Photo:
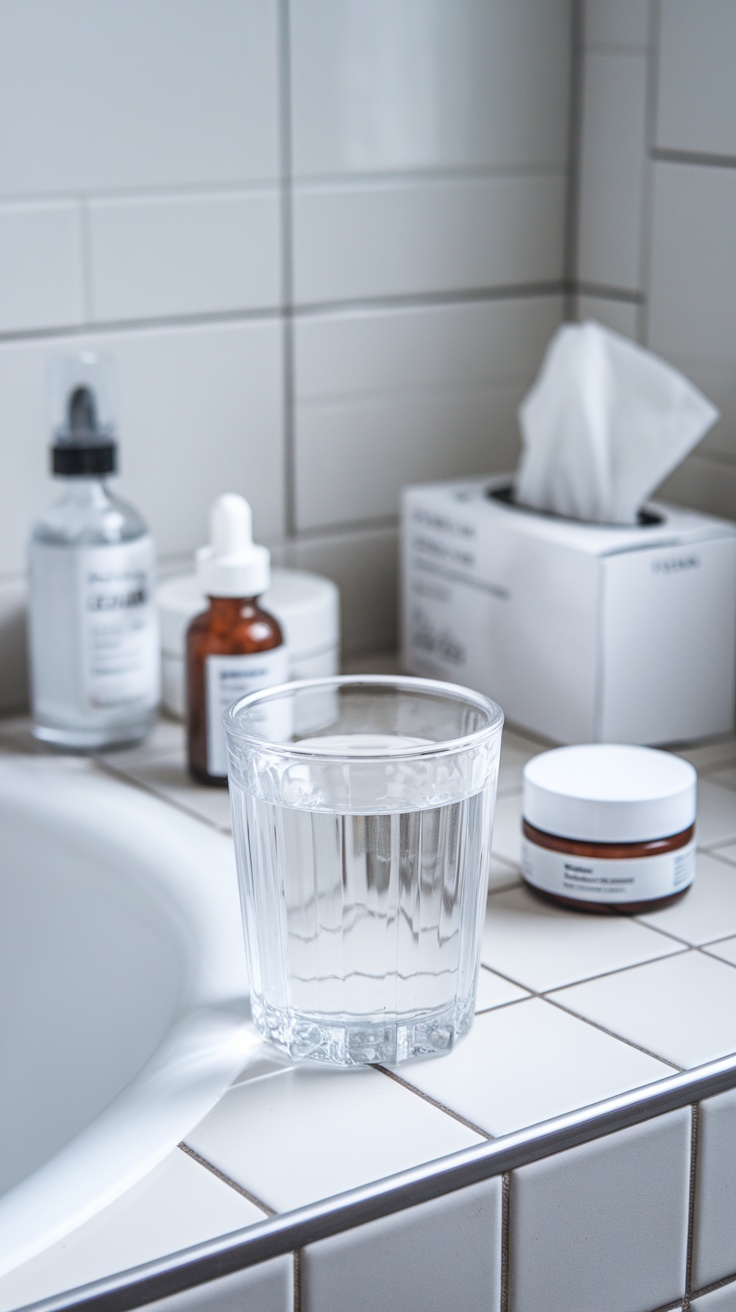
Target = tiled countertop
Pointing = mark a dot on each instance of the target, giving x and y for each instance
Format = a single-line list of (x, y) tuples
[(571, 1009)]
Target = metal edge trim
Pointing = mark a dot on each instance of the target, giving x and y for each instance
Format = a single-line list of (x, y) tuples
[(283, 1234)]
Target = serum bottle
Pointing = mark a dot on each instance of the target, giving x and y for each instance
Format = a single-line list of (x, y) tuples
[(93, 630), (234, 647)]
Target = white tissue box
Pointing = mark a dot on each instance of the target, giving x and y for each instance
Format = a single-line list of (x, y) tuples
[(581, 632)]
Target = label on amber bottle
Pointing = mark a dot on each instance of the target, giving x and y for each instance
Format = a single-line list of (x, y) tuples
[(600, 879), (227, 678)]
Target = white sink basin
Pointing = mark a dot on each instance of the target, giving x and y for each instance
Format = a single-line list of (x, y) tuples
[(122, 991)]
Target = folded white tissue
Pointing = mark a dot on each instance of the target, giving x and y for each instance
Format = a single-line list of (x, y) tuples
[(588, 622), (603, 426)]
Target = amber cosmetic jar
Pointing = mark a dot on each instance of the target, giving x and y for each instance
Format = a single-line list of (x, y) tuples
[(609, 827)]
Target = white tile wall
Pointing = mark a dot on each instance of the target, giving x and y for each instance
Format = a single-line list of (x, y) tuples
[(620, 316), (136, 93), (152, 256), (696, 109), (617, 1209), (383, 86), (422, 236), (612, 170), (402, 1261), (714, 1252), (718, 1300), (40, 265), (364, 564), (616, 23)]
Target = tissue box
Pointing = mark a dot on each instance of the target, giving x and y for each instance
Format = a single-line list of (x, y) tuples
[(581, 632)]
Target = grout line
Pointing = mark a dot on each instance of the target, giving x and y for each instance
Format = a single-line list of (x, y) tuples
[(606, 293), (663, 155), (717, 1284), (613, 1035), (694, 1141), (120, 775), (574, 156), (505, 1240), (379, 524), (226, 1179), (440, 1106), (619, 970), (297, 1280), (500, 1006), (287, 266), (359, 180), (412, 300), (646, 219)]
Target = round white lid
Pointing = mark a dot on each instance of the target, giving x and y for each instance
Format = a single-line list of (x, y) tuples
[(606, 793), (306, 605)]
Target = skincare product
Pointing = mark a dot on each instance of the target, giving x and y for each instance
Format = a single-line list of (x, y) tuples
[(609, 826), (235, 647), (92, 619), (306, 606)]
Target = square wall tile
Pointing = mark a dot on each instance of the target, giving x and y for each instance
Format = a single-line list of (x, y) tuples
[(718, 1300), (703, 484), (412, 236), (200, 412), (364, 565), (381, 86), (681, 1008), (188, 254), (612, 169), (708, 909), (395, 396), (41, 275), (616, 22), (620, 316), (542, 946), (439, 1255), (177, 1205), (696, 109), (603, 1227), (278, 1137), (524, 1064), (714, 1246), (13, 646), (692, 291), (171, 93)]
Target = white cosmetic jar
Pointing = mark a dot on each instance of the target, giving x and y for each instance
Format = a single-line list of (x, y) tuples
[(608, 826)]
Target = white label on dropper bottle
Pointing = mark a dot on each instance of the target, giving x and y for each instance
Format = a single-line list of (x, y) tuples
[(227, 678)]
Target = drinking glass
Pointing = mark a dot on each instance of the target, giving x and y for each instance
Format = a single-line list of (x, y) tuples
[(362, 813)]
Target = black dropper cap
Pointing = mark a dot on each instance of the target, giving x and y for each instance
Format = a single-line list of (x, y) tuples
[(83, 447)]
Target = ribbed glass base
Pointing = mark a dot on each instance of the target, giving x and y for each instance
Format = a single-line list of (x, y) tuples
[(361, 1041)]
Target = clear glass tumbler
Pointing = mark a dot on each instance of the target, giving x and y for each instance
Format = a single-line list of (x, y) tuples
[(362, 810)]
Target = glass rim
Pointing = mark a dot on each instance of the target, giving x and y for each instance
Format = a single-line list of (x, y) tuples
[(332, 683)]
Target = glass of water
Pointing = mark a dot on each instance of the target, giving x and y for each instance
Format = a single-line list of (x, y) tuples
[(362, 811)]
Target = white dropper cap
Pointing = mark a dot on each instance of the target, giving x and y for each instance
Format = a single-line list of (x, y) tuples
[(233, 565)]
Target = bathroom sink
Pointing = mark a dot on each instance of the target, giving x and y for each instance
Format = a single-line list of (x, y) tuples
[(122, 990)]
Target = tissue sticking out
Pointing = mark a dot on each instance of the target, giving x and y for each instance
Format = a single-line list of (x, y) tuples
[(604, 423)]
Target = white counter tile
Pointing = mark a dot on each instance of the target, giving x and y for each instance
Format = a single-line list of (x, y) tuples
[(724, 949), (526, 1063), (542, 946), (402, 1261), (727, 853), (603, 1227), (708, 909), (706, 756), (714, 1249), (495, 991), (307, 1133), (681, 1008), (506, 841), (725, 776), (503, 874), (177, 1205), (167, 776)]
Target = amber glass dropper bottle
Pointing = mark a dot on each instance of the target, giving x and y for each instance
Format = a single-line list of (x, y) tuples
[(234, 647)]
